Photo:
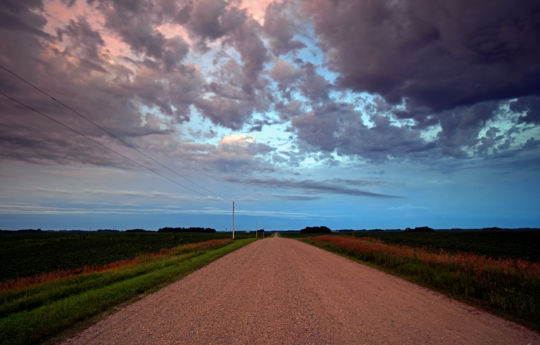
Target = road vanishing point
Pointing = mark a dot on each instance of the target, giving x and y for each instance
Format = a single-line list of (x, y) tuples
[(283, 291)]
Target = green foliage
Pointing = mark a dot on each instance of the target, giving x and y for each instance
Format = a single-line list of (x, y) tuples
[(35, 314), (26, 254)]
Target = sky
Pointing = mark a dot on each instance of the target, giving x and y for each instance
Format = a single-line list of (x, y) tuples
[(353, 114)]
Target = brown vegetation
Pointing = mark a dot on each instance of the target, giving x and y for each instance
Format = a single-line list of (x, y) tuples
[(468, 261)]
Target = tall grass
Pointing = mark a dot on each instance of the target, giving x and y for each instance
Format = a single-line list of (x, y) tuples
[(33, 314), (509, 287)]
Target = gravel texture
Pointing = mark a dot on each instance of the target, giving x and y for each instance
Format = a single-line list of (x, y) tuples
[(282, 291)]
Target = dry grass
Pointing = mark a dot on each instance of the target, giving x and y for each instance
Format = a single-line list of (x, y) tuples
[(469, 262), (509, 287)]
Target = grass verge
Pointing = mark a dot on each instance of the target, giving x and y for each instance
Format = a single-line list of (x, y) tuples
[(34, 314), (508, 287)]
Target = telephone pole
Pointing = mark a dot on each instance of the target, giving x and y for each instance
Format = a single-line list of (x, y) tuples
[(256, 226), (233, 220)]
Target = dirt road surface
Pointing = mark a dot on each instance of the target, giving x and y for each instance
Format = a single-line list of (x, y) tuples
[(282, 291)]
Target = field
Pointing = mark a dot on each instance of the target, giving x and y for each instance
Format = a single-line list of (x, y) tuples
[(495, 244), (28, 254), (499, 272), (111, 268)]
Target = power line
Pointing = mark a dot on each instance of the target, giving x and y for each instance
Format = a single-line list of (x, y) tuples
[(105, 130), (74, 130)]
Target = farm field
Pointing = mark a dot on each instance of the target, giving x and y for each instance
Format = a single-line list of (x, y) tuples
[(495, 244), (521, 244), (36, 308), (27, 254), (490, 274)]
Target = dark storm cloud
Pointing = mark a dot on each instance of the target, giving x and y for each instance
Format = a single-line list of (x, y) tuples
[(460, 127), (19, 16), (530, 106), (341, 128), (439, 54), (452, 63), (329, 186)]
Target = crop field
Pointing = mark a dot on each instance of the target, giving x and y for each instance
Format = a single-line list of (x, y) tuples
[(30, 254), (495, 244), (36, 308), (507, 284)]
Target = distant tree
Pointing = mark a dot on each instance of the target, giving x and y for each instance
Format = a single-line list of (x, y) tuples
[(420, 229), (316, 230), (137, 230), (192, 229), (493, 228), (30, 230)]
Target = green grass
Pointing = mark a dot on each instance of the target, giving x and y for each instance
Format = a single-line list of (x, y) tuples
[(496, 287), (28, 254), (33, 315)]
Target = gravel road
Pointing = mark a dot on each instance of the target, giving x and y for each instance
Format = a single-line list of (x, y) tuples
[(282, 291)]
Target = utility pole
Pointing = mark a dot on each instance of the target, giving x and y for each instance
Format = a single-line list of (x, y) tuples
[(256, 226), (233, 220)]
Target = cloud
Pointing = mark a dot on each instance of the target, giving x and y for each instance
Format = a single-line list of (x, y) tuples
[(122, 194), (441, 64), (238, 151), (19, 16), (134, 22), (211, 19), (281, 24), (327, 187), (338, 127), (439, 54), (285, 74), (291, 197), (438, 73), (529, 106), (82, 37)]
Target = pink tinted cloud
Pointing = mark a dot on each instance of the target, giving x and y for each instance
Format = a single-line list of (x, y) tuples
[(59, 15), (255, 8)]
